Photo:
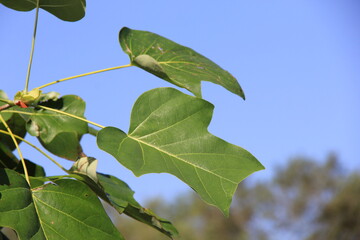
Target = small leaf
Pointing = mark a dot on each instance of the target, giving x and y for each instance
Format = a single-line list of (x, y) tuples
[(174, 63), (67, 10), (121, 197), (28, 97), (168, 133), (58, 133), (87, 166), (61, 209)]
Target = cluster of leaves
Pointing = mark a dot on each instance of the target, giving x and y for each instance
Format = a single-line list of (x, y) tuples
[(168, 133)]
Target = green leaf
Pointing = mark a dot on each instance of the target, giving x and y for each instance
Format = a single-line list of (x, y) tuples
[(58, 133), (174, 63), (168, 133), (62, 209), (122, 199), (67, 10)]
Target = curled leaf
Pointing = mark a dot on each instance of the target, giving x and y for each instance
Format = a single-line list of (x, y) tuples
[(173, 62)]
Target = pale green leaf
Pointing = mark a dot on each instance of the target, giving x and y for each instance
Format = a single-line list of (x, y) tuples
[(87, 166), (67, 10), (168, 133), (174, 63)]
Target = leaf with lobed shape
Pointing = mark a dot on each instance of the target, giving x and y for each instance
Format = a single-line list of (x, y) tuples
[(168, 133)]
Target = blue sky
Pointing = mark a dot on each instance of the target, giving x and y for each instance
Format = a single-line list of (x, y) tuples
[(297, 61)]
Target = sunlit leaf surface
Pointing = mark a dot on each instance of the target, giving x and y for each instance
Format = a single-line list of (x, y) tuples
[(168, 133)]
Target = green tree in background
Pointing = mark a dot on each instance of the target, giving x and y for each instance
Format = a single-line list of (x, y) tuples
[(305, 199)]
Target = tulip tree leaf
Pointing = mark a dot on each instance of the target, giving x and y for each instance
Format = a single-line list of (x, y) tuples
[(173, 62), (122, 199), (67, 10), (58, 133), (61, 209), (168, 133)]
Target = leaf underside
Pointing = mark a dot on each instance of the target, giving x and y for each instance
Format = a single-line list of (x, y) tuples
[(168, 133), (67, 10), (173, 62)]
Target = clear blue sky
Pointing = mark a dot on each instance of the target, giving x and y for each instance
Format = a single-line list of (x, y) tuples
[(297, 61)]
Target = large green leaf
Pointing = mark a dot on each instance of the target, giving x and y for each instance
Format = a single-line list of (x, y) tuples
[(168, 133), (67, 10), (58, 133), (174, 63), (61, 209), (122, 199)]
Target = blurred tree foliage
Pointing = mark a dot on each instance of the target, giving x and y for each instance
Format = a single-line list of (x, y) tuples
[(305, 200)]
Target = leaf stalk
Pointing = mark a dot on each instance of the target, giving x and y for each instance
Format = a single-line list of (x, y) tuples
[(83, 75), (71, 115)]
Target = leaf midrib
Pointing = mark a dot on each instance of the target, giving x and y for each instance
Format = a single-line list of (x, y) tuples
[(180, 159)]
